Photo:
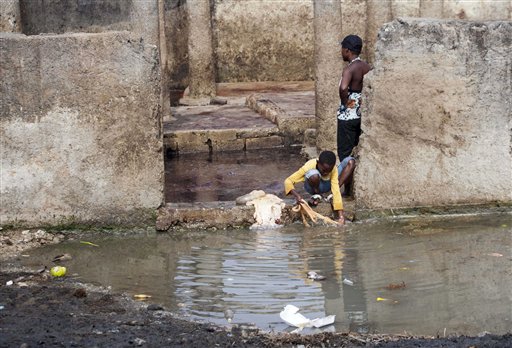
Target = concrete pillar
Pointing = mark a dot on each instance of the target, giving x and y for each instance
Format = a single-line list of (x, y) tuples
[(165, 100), (10, 19), (353, 14), (431, 8), (409, 8), (144, 19), (328, 67), (378, 13), (200, 50)]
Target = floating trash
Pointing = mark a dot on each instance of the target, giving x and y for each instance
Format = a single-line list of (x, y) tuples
[(290, 316), (89, 243), (229, 314), (315, 276), (58, 271), (62, 257), (394, 286), (141, 297), (348, 282)]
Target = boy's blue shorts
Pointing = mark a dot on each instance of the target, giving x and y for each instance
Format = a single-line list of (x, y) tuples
[(325, 185)]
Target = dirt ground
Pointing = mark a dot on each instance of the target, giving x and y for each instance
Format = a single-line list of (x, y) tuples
[(39, 310)]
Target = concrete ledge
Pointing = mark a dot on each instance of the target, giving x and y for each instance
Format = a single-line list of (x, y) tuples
[(222, 140), (431, 211), (221, 215), (291, 123)]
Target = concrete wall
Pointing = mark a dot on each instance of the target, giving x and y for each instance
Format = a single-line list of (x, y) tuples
[(10, 18), (80, 129), (264, 40), (254, 40), (258, 40), (437, 115), (60, 16)]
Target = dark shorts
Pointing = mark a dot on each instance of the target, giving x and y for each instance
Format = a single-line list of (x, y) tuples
[(348, 136)]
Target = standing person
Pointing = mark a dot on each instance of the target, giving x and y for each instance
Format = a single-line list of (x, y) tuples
[(319, 176), (349, 113)]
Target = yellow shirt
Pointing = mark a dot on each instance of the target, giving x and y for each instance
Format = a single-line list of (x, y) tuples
[(298, 176)]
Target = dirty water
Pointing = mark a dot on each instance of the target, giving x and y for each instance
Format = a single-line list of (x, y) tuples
[(224, 176), (437, 276)]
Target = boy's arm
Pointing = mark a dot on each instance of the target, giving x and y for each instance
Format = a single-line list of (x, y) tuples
[(292, 180)]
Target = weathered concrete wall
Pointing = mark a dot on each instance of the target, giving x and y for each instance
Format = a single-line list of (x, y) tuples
[(60, 16), (91, 16), (260, 40), (10, 18), (80, 129), (254, 40), (264, 40), (437, 115)]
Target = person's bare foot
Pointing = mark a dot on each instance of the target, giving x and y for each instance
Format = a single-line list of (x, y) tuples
[(314, 200)]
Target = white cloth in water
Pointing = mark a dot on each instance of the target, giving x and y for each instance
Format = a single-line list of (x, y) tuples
[(267, 211)]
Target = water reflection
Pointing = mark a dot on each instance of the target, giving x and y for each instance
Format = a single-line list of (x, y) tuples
[(457, 273)]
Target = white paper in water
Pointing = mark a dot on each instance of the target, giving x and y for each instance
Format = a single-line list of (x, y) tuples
[(291, 317)]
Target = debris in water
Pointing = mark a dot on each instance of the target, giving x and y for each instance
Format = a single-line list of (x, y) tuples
[(290, 316), (379, 299), (315, 276), (9, 283), (495, 254), (348, 282), (229, 314), (58, 271), (62, 257), (394, 286), (88, 243), (141, 297)]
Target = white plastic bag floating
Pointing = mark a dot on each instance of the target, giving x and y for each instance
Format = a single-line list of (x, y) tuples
[(291, 317)]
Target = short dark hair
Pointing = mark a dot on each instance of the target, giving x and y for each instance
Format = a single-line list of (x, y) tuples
[(327, 157), (353, 43)]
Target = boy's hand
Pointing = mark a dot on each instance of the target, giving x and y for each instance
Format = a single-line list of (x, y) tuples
[(298, 197)]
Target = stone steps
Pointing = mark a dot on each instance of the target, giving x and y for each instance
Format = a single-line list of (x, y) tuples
[(219, 128), (270, 118)]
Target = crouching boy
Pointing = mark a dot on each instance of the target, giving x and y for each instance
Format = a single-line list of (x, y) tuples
[(320, 176)]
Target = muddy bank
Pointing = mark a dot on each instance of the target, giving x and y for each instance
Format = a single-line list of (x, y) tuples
[(38, 310)]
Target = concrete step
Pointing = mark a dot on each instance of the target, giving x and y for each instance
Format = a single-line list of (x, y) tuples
[(277, 115), (292, 112), (219, 128)]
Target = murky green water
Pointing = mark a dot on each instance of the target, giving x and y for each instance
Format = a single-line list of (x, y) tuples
[(457, 273)]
